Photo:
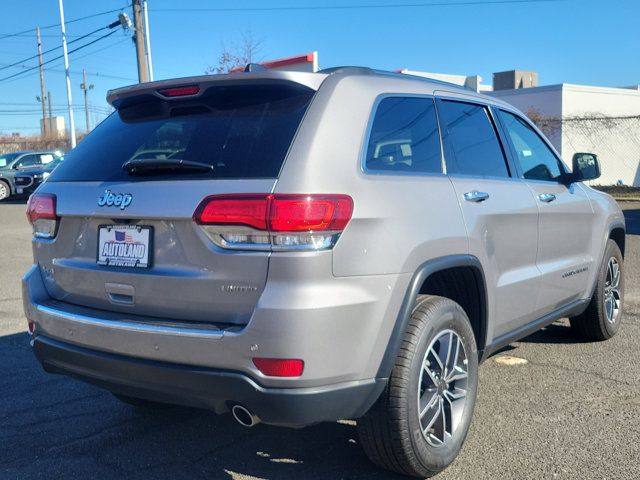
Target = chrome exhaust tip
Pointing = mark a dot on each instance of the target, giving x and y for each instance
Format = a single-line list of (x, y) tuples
[(244, 417)]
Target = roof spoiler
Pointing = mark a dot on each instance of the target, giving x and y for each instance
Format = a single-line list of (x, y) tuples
[(195, 86)]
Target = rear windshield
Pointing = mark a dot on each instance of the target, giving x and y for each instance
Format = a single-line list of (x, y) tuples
[(242, 131)]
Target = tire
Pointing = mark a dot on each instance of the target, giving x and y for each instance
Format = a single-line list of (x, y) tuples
[(141, 403), (392, 433), (5, 190), (601, 320)]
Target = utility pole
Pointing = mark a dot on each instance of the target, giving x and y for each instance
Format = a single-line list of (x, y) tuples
[(86, 87), (50, 114), (147, 39), (42, 98), (139, 39), (72, 123)]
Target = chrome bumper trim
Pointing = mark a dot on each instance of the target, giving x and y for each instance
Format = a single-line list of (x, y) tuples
[(131, 326)]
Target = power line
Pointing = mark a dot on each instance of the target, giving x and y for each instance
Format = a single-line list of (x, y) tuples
[(29, 71), (53, 25), (352, 7), (58, 57), (50, 50), (56, 107), (93, 52)]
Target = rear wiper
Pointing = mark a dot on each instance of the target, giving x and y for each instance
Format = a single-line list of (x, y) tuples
[(140, 166)]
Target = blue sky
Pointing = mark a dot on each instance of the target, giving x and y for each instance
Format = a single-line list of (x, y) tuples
[(594, 42)]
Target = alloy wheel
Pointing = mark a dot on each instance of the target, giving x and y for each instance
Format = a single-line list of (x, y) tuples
[(442, 391), (612, 290)]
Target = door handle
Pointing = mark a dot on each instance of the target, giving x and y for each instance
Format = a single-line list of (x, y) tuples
[(546, 197), (476, 196)]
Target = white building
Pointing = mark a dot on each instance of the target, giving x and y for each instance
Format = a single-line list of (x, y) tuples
[(55, 127), (579, 118)]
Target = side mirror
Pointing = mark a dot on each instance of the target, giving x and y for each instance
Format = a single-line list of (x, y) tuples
[(585, 167)]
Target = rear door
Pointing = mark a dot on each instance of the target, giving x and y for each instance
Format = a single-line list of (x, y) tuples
[(499, 211), (127, 241), (566, 216)]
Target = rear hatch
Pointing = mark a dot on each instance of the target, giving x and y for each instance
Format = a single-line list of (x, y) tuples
[(126, 240)]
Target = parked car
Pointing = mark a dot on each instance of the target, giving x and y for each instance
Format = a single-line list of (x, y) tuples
[(27, 182), (341, 244), (15, 163)]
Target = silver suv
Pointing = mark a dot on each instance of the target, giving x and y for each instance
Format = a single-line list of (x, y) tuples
[(305, 247)]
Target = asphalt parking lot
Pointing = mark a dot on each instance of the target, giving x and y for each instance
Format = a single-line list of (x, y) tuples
[(572, 411)]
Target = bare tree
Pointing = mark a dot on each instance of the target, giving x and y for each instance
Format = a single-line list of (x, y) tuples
[(239, 54)]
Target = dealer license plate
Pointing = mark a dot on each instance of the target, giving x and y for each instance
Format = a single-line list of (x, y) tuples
[(124, 246)]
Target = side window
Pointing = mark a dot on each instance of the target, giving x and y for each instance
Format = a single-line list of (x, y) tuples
[(537, 160), (404, 137), (28, 161), (471, 143)]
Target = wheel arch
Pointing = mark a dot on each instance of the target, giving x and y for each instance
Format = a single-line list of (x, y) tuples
[(420, 280), (617, 234)]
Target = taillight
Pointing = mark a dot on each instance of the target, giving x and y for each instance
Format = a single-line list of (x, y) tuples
[(274, 222), (309, 213), (278, 367), (41, 213)]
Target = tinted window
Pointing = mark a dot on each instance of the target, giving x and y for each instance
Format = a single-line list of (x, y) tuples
[(404, 137), (536, 159), (471, 144), (28, 161), (242, 131)]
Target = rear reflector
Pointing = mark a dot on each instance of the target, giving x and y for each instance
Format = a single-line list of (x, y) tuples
[(41, 213), (276, 367), (180, 91), (274, 221)]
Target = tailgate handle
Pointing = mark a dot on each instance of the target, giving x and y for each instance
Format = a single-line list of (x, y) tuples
[(120, 293)]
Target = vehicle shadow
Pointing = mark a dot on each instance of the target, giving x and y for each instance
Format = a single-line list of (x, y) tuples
[(557, 333), (50, 423), (15, 200)]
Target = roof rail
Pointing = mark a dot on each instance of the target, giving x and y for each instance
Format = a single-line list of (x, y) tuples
[(408, 76), (424, 79), (346, 69), (254, 67)]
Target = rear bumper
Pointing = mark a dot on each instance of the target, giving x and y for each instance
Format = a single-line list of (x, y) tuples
[(205, 387), (339, 327)]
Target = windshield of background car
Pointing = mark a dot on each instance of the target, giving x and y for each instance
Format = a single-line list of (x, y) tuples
[(7, 158)]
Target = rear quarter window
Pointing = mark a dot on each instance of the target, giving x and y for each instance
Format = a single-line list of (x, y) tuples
[(243, 131), (404, 137)]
